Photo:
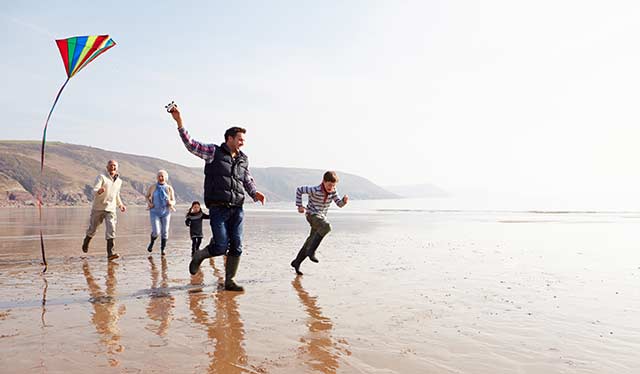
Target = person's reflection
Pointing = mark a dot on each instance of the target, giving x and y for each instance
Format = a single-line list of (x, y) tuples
[(319, 344), (225, 330), (161, 302), (106, 312)]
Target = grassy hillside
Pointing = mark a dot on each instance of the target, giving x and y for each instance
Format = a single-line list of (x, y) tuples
[(282, 183), (71, 169)]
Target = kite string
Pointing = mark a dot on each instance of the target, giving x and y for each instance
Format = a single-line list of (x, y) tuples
[(39, 192)]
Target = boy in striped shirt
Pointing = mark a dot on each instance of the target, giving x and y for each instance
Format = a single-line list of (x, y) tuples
[(320, 197)]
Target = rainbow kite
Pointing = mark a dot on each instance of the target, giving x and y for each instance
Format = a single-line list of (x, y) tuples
[(76, 52)]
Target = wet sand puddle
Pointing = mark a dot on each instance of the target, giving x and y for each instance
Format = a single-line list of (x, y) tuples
[(393, 293), (111, 323)]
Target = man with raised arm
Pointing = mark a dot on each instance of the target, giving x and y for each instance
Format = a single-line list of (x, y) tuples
[(226, 178)]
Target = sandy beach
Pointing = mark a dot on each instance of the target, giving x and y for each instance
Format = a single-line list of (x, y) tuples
[(396, 291)]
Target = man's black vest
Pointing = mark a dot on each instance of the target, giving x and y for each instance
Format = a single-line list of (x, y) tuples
[(224, 177)]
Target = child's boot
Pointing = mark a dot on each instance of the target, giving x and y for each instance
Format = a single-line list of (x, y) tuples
[(163, 245), (302, 254), (153, 240), (85, 244), (111, 255), (313, 246)]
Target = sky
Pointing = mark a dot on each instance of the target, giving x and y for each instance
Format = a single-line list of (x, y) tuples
[(526, 99)]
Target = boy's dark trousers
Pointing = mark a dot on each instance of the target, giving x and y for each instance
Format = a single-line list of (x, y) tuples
[(320, 227)]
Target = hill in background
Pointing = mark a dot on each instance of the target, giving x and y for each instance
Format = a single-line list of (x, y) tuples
[(70, 171)]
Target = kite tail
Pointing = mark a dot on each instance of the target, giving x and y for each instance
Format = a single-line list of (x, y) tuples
[(44, 132), (39, 193)]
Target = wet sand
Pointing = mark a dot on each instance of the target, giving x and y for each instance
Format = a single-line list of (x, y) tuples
[(394, 292)]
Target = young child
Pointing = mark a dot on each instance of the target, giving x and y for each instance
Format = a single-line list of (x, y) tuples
[(320, 197), (194, 220)]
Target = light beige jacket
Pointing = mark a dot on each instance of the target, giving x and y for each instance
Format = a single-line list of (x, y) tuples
[(109, 200), (172, 196)]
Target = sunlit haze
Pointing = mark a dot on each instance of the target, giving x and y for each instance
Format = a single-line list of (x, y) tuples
[(531, 100)]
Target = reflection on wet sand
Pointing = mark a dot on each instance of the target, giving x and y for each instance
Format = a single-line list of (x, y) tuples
[(161, 302), (44, 300), (41, 364), (225, 330), (106, 312), (319, 345)]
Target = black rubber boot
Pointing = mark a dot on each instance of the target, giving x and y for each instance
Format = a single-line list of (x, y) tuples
[(302, 255), (231, 268), (313, 246), (163, 245), (111, 255), (153, 240), (85, 244), (197, 259)]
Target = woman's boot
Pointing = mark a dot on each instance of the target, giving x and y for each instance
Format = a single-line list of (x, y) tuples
[(163, 245), (150, 247)]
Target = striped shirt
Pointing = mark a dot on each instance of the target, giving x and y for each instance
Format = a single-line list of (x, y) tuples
[(207, 153), (317, 204)]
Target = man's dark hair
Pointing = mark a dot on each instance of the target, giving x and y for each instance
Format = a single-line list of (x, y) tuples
[(232, 131), (330, 176)]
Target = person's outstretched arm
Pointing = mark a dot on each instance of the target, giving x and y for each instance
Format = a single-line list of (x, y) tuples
[(340, 202), (202, 150), (250, 186)]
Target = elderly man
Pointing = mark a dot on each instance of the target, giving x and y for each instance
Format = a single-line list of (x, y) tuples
[(106, 199)]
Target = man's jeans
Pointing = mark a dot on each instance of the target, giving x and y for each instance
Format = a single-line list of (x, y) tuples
[(226, 228)]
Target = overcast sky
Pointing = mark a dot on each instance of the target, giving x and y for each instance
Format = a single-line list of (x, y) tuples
[(506, 97)]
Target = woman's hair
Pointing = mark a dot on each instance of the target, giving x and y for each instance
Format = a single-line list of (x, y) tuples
[(163, 172)]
